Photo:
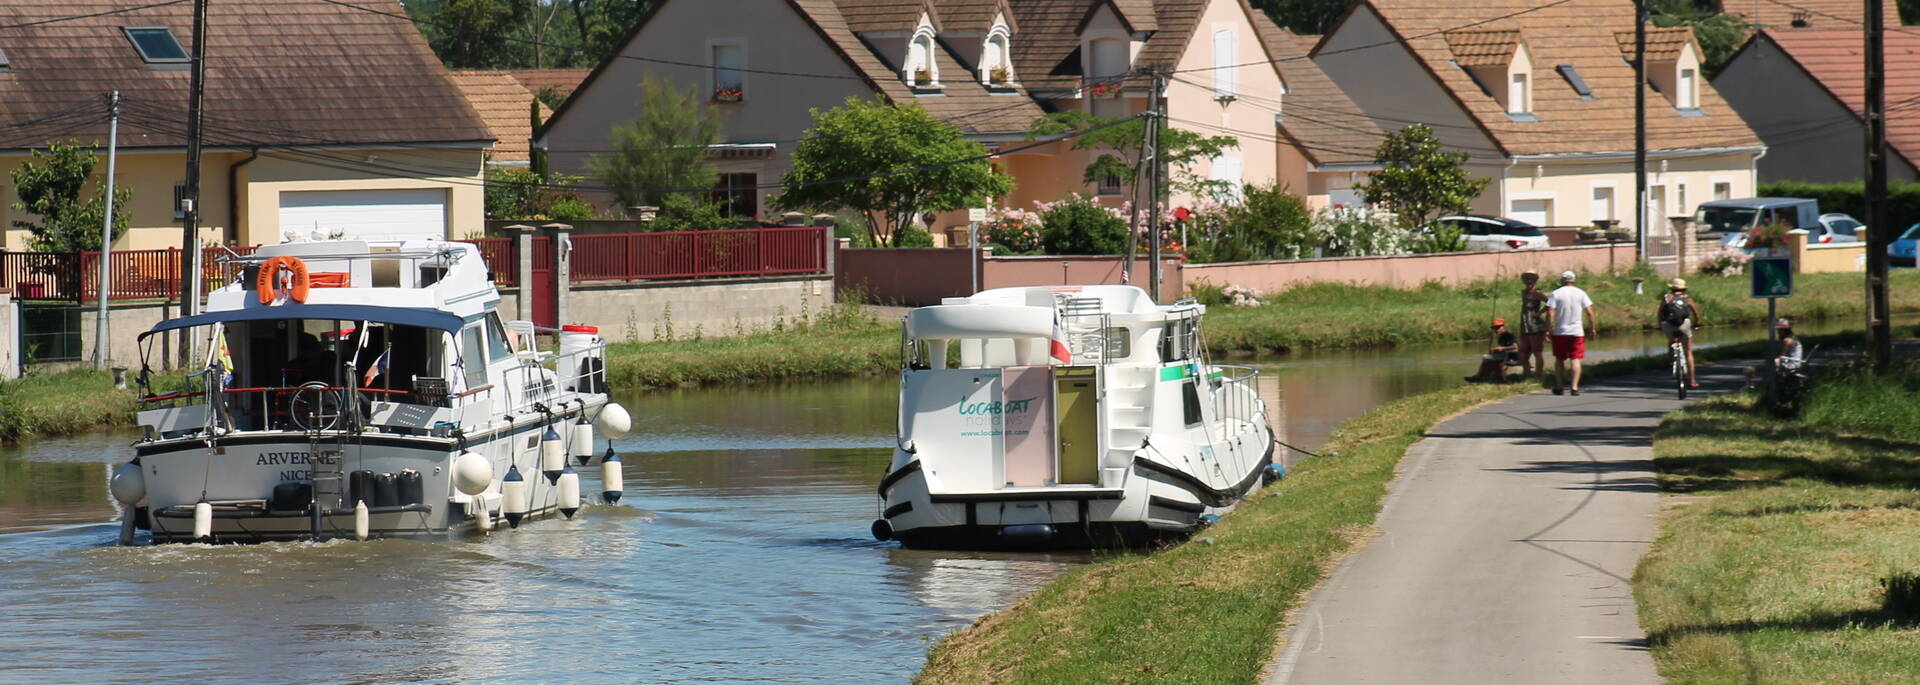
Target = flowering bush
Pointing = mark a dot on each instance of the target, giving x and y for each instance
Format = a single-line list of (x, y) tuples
[(1238, 296), (1768, 235), (1013, 231), (1077, 225), (1358, 232), (1728, 261)]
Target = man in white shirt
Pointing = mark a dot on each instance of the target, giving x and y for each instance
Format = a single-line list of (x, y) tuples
[(1571, 310)]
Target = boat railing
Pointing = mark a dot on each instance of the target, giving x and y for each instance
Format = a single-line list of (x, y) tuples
[(1235, 398), (549, 375)]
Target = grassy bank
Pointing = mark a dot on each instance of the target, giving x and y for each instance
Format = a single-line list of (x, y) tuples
[(62, 403), (1222, 601), (1781, 538), (1343, 316), (844, 341)]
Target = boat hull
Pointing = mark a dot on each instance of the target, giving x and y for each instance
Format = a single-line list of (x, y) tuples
[(1159, 504), (238, 476)]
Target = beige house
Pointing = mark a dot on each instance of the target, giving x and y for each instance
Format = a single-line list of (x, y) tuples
[(989, 67), (301, 134), (1542, 99)]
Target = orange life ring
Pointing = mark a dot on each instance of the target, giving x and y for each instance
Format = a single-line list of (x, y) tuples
[(270, 274)]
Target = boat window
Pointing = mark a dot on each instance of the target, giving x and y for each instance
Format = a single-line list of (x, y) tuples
[(497, 338), (1190, 401), (1179, 339), (1119, 344), (473, 357)]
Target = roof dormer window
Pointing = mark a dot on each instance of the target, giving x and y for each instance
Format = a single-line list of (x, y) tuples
[(922, 70), (3, 60), (996, 61), (156, 44)]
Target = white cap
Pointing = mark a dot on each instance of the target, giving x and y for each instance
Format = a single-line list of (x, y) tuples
[(1566, 277)]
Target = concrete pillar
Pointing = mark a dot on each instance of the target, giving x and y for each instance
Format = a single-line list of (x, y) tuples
[(523, 270), (1682, 243), (833, 262), (561, 236), (10, 356)]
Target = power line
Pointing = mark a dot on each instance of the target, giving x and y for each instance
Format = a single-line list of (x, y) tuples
[(78, 17)]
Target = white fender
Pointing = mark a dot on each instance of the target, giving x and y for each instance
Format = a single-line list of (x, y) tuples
[(582, 440), (202, 520), (611, 478), (569, 485), (613, 421), (128, 485), (471, 473), (361, 524)]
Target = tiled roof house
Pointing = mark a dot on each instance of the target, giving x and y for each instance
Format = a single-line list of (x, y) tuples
[(506, 107), (316, 115), (1803, 92), (989, 67), (1816, 14), (1542, 99)]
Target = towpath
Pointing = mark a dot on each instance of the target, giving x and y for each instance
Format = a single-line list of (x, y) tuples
[(1506, 550)]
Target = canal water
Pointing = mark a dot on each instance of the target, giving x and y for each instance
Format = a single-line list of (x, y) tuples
[(740, 553)]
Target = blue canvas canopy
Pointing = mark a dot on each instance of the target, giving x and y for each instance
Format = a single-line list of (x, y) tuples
[(399, 316)]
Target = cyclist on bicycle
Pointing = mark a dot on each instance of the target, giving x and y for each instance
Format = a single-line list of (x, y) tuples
[(1677, 316)]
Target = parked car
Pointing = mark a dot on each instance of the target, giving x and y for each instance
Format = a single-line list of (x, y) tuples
[(1492, 233), (1901, 250), (1729, 220), (1833, 228)]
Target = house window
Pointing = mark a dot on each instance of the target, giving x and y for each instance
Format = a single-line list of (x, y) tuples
[(995, 67), (1602, 204), (3, 60), (1722, 190), (1110, 184), (1579, 85), (1224, 86), (1108, 60), (1227, 179), (1680, 207), (180, 201), (1517, 95), (156, 44), (1685, 98), (737, 195), (921, 67), (729, 71)]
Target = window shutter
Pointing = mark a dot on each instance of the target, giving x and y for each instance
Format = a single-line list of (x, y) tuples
[(1223, 62)]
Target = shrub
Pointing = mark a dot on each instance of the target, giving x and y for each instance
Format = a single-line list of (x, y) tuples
[(1726, 262), (1268, 223), (1013, 232), (1077, 226), (1353, 232), (1438, 237)]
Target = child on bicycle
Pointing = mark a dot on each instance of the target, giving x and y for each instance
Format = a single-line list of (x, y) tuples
[(1677, 317)]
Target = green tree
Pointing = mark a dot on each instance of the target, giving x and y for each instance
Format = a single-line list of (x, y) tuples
[(467, 34), (520, 195), (1078, 226), (1268, 223), (664, 152), (1720, 35), (1120, 142), (50, 186), (1418, 181), (890, 163), (1305, 17), (476, 34)]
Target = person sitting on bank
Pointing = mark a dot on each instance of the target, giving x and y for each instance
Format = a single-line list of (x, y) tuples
[(1505, 352), (1792, 355)]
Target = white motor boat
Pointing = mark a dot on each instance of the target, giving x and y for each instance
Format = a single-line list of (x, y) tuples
[(364, 389), (1074, 417)]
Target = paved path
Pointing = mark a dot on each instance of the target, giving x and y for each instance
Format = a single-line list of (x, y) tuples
[(1507, 548)]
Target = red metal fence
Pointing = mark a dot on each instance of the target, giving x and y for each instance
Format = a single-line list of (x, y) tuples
[(137, 274), (155, 274), (694, 254)]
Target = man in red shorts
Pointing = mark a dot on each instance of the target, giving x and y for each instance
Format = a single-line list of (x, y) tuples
[(1572, 313)]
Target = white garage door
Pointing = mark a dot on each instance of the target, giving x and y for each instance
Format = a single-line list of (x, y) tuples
[(364, 214), (1536, 212)]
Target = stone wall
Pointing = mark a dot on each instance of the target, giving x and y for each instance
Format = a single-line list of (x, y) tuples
[(679, 309)]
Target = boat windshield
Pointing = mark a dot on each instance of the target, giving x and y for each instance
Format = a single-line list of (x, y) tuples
[(266, 362)]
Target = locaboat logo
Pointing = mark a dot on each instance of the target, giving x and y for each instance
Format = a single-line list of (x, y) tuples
[(1006, 407)]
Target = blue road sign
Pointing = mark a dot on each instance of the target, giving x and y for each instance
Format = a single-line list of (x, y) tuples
[(1772, 277)]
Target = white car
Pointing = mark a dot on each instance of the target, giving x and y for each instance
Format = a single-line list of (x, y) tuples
[(1490, 234)]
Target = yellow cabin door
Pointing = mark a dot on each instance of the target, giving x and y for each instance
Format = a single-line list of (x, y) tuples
[(1078, 417)]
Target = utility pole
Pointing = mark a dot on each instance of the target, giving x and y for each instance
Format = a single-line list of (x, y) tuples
[(1640, 130), (1879, 327), (190, 205), (100, 326), (1156, 167)]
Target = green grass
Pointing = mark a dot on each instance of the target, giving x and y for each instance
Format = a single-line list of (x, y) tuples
[(1330, 315), (1780, 537), (62, 403), (1203, 612)]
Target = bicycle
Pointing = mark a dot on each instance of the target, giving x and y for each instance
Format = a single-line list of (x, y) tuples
[(1678, 351)]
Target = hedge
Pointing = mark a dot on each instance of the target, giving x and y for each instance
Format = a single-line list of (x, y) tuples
[(1903, 199)]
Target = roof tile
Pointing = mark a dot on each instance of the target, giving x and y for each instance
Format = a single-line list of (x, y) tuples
[(504, 105), (1833, 58)]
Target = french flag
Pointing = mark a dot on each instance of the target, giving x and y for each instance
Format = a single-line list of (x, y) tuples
[(380, 366), (1059, 342)]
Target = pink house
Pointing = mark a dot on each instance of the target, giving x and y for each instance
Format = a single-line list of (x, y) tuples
[(989, 67)]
